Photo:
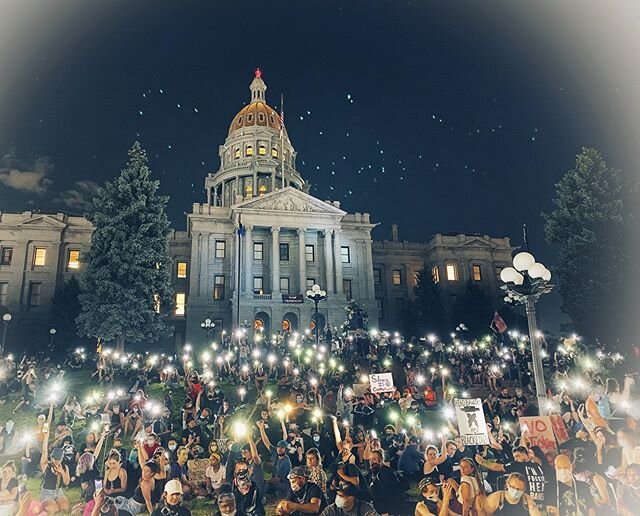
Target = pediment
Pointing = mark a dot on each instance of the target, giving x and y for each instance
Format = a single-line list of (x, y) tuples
[(42, 221), (289, 200)]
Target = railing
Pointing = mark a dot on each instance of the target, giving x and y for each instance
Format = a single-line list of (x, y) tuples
[(262, 297)]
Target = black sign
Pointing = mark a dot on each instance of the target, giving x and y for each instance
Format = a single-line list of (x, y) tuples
[(292, 298)]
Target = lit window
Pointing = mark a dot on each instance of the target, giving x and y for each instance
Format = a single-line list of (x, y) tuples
[(220, 248), (310, 283), (284, 252), (156, 303), (435, 274), (262, 150), (274, 152), (346, 254), (262, 189), (236, 153), (39, 256), (397, 278), (346, 288), (249, 150), (477, 273), (248, 187), (181, 302), (258, 285), (6, 256), (218, 287), (73, 259), (284, 285), (181, 272), (309, 252), (257, 250), (452, 272), (4, 290), (377, 277), (35, 290)]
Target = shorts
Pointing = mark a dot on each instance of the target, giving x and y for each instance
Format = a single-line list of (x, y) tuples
[(47, 495), (129, 505)]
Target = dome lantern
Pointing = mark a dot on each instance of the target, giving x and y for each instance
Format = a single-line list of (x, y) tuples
[(258, 87)]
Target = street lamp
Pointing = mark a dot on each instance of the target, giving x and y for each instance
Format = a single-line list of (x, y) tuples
[(525, 282), (208, 325), (52, 332), (6, 319), (316, 294)]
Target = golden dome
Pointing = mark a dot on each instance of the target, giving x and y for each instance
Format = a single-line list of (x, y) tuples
[(255, 114)]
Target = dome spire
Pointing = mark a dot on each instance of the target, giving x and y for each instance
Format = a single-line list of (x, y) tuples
[(258, 87)]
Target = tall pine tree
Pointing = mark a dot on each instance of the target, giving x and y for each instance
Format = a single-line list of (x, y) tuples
[(475, 309), (427, 308), (588, 225), (128, 266)]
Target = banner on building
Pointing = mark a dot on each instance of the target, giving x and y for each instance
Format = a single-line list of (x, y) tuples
[(471, 424), (381, 382), (290, 299), (540, 430), (559, 428)]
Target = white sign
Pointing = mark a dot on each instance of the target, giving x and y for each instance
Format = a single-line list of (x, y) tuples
[(471, 424), (382, 382)]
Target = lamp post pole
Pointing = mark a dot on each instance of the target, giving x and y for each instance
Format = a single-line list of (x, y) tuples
[(316, 294), (525, 282), (52, 332), (6, 319)]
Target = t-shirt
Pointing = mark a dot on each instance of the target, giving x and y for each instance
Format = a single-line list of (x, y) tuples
[(537, 481), (360, 508), (574, 500), (217, 477), (281, 465), (309, 491)]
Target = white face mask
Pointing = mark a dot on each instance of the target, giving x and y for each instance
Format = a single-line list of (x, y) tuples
[(514, 494), (341, 502), (173, 447)]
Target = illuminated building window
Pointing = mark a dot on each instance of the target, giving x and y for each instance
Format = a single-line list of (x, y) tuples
[(309, 252), (262, 189), (345, 253), (237, 153), (262, 150), (218, 287), (435, 274), (249, 150), (181, 271), (73, 259), (274, 152), (39, 256), (452, 271), (248, 188), (397, 277), (258, 285), (181, 303), (477, 273), (156, 303), (220, 248)]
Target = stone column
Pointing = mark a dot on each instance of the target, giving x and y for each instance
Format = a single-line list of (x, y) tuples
[(275, 262), (208, 195), (302, 260), (337, 259), (328, 262), (203, 284), (248, 260), (369, 269)]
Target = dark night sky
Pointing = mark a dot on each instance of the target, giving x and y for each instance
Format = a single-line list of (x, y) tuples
[(440, 118)]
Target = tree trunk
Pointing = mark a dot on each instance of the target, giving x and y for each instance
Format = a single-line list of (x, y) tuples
[(120, 345)]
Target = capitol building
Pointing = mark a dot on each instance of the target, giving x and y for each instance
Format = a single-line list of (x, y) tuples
[(252, 249)]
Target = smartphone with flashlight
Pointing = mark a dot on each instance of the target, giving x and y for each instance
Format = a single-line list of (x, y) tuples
[(22, 489), (98, 483)]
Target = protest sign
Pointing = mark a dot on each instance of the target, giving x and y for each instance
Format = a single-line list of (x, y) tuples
[(559, 428), (471, 423), (540, 431), (381, 382), (196, 470)]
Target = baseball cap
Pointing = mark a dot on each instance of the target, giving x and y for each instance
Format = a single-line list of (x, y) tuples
[(347, 489), (427, 482), (282, 444), (173, 487), (298, 471), (414, 439)]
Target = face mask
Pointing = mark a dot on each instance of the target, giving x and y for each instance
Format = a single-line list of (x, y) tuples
[(432, 497), (173, 447), (514, 494), (341, 502), (564, 475)]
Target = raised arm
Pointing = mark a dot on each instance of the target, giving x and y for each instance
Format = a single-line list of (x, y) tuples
[(263, 435), (336, 432)]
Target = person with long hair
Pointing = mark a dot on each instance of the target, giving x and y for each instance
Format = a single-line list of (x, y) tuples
[(8, 486), (316, 471), (55, 475), (471, 485), (115, 476)]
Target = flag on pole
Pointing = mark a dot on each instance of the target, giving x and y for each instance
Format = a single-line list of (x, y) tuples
[(282, 137), (498, 325)]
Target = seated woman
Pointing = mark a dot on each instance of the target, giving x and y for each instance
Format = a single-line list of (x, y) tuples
[(8, 488), (115, 476), (55, 475)]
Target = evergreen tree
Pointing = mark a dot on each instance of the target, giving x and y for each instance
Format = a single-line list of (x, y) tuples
[(357, 318), (475, 309), (128, 265), (427, 309), (64, 311), (588, 224)]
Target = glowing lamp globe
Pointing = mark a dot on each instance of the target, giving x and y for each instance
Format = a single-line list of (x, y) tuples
[(546, 274), (508, 275), (519, 279), (536, 270), (522, 261)]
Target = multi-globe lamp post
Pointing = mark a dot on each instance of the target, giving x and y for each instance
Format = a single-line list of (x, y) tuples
[(208, 325), (316, 294), (525, 282), (6, 319)]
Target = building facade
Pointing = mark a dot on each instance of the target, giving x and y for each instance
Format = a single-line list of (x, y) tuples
[(253, 249)]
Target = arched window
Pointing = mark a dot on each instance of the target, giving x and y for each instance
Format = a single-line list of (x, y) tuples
[(249, 150), (262, 150), (261, 117), (274, 152), (239, 119), (237, 153), (248, 188), (250, 118)]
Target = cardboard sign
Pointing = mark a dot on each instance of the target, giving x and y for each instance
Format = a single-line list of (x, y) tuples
[(540, 431), (382, 382), (559, 428), (196, 469), (471, 424)]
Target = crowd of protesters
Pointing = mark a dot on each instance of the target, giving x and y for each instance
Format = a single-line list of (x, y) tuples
[(281, 423)]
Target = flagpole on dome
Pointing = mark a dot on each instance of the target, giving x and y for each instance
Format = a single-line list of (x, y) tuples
[(282, 138)]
